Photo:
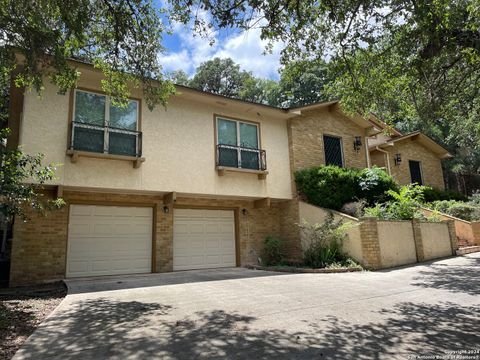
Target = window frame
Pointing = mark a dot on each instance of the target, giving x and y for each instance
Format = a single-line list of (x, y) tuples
[(106, 123), (342, 154), (237, 121), (419, 168)]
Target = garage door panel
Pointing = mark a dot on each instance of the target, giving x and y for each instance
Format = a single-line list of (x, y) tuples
[(106, 240), (203, 239)]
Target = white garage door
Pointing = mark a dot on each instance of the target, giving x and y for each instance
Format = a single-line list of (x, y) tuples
[(203, 239), (108, 240)]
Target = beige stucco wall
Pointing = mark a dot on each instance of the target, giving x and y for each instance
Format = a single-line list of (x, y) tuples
[(352, 244), (397, 245), (430, 164), (178, 145), (435, 240), (306, 138), (465, 230)]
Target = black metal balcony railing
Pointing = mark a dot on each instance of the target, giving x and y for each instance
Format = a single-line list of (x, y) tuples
[(241, 157), (105, 139)]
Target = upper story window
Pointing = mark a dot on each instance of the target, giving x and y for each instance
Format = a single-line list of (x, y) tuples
[(238, 144), (99, 126), (333, 150)]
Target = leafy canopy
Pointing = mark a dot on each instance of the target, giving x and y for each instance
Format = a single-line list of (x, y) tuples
[(121, 38)]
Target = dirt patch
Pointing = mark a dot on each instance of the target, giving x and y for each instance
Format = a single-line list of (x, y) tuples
[(22, 309)]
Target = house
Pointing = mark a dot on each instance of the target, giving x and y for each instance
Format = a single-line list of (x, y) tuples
[(409, 158), (198, 184)]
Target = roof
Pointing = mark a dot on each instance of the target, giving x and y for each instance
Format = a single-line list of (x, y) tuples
[(376, 121), (423, 139)]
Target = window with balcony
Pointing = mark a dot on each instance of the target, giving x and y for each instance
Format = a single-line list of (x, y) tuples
[(238, 145), (98, 126)]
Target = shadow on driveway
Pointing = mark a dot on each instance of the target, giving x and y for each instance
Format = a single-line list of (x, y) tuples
[(464, 278), (120, 282), (104, 328)]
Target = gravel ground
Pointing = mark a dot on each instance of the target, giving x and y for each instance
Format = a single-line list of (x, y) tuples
[(22, 309)]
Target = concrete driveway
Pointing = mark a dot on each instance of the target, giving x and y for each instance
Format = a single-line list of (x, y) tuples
[(246, 314)]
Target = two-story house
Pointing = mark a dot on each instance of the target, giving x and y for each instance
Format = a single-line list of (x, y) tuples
[(198, 184)]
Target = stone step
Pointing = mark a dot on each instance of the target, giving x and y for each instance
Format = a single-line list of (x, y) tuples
[(468, 250)]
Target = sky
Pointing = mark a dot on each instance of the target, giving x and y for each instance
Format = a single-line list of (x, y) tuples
[(186, 52)]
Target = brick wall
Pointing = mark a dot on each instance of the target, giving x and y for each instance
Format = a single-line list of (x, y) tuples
[(306, 139), (410, 149), (39, 245)]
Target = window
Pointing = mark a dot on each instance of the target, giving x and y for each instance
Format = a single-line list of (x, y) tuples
[(333, 150), (238, 144), (415, 172), (99, 126)]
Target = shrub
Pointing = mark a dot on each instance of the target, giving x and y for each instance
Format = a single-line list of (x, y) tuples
[(328, 186), (272, 251), (475, 198), (462, 210), (331, 186), (324, 242), (432, 194), (404, 205), (374, 184)]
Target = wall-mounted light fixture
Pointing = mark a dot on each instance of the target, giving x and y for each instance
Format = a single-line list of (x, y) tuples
[(397, 159), (166, 209), (357, 143), (244, 211)]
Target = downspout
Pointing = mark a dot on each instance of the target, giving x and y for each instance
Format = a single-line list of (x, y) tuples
[(388, 159), (367, 152)]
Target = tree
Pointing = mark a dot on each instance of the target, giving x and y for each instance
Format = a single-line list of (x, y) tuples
[(302, 82), (17, 192), (122, 38), (261, 91), (220, 76), (179, 77)]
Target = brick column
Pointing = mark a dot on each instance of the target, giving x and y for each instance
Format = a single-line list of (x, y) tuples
[(164, 228), (417, 238), (370, 243), (453, 235)]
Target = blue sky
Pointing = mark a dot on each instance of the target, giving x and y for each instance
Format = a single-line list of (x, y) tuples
[(186, 52)]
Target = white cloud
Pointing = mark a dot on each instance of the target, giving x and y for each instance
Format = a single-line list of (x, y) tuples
[(245, 48)]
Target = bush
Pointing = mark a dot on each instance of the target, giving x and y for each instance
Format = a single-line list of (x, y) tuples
[(328, 186), (374, 184), (468, 211), (404, 205), (331, 186), (272, 251), (324, 242), (432, 194)]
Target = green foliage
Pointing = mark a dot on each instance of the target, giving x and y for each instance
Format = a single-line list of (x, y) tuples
[(324, 242), (273, 252), (469, 211), (374, 185), (220, 76), (121, 38), (328, 186), (432, 194), (404, 204), (331, 186), (302, 83), (17, 170)]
